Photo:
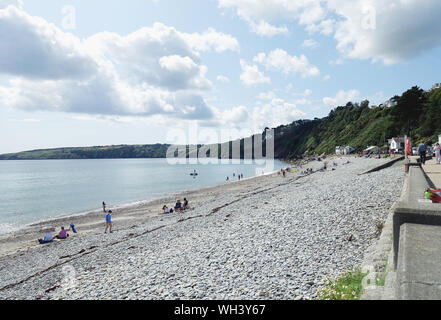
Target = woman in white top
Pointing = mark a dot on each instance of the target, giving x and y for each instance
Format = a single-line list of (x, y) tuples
[(438, 153)]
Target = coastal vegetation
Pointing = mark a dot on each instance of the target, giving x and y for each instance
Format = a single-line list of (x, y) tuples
[(102, 152), (416, 113), (347, 286)]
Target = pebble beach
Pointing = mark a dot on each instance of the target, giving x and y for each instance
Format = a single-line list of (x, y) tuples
[(267, 237)]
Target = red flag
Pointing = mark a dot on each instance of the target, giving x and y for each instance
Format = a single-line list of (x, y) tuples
[(408, 152)]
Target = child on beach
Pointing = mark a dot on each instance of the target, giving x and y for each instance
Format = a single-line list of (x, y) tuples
[(165, 210), (108, 222), (104, 206), (186, 205)]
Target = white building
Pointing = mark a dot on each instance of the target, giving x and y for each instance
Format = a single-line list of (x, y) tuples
[(396, 144), (436, 86), (339, 150), (392, 102)]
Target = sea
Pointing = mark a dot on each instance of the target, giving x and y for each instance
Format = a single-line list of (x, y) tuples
[(37, 190)]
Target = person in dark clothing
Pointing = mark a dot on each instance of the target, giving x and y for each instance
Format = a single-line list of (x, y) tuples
[(422, 150)]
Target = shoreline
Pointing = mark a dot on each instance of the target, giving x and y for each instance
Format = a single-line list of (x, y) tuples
[(25, 237), (122, 206), (265, 238)]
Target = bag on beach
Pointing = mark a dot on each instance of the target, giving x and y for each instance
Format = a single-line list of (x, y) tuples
[(435, 195)]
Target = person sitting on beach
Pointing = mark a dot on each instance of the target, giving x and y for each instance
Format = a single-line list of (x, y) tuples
[(186, 205), (178, 206), (47, 238), (165, 210), (108, 222), (62, 235)]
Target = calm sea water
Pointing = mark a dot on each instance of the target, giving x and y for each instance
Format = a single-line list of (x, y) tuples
[(31, 191)]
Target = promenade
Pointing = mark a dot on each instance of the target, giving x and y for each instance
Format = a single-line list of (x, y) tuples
[(433, 171), (417, 234)]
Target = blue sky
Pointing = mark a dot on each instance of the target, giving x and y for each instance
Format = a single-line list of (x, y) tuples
[(82, 73)]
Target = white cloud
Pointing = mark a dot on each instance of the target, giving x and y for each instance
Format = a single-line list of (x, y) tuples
[(275, 113), (270, 95), (376, 30), (183, 72), (302, 101), (341, 98), (152, 71), (5, 3), (31, 47), (223, 79), (138, 56), (336, 62), (310, 43), (251, 74), (231, 116), (380, 30), (255, 11), (326, 27), (282, 61), (265, 29), (211, 40)]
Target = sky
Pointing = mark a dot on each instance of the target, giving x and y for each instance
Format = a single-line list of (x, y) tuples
[(88, 73)]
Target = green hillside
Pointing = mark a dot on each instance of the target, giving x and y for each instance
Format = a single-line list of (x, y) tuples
[(107, 152), (417, 113)]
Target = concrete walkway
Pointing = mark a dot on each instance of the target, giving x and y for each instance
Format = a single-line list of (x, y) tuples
[(416, 236), (433, 171)]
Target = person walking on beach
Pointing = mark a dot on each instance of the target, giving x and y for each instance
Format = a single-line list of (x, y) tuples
[(438, 153), (422, 149), (104, 206), (108, 222)]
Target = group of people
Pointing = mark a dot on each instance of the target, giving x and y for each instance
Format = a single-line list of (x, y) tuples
[(283, 172), (308, 171), (422, 152), (179, 207), (239, 176), (62, 235)]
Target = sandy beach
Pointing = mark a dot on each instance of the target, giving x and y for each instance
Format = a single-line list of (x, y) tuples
[(263, 238)]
